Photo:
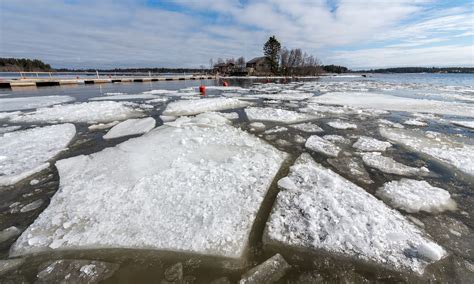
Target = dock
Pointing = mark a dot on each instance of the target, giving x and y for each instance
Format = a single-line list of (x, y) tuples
[(46, 82)]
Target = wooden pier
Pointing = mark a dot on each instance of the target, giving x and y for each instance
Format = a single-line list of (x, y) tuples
[(44, 82)]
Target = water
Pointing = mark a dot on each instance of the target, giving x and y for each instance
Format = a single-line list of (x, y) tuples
[(452, 229)]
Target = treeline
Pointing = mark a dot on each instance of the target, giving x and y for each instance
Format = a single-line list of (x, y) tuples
[(421, 70), (23, 65), (335, 69), (137, 70), (299, 63)]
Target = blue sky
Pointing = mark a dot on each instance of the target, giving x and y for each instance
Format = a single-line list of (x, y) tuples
[(187, 33)]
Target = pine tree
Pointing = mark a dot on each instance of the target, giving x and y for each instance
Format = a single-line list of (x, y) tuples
[(271, 50)]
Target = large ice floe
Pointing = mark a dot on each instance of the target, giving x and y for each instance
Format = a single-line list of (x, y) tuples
[(395, 103), (26, 152), (416, 195), (192, 185), (370, 144), (323, 146), (390, 166), (440, 147), (319, 210), (276, 115), (10, 104), (91, 112), (132, 126), (191, 107)]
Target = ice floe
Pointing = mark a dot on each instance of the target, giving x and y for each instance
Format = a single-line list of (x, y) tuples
[(416, 195), (337, 139), (415, 122), (369, 144), (394, 103), (6, 129), (269, 271), (353, 167), (125, 97), (321, 145), (464, 123), (10, 104), (26, 152), (179, 108), (307, 127), (318, 209), (441, 147), (101, 126), (131, 126), (276, 129), (390, 166), (257, 126), (276, 115), (385, 122), (9, 233), (91, 112), (192, 185), (296, 96), (339, 124)]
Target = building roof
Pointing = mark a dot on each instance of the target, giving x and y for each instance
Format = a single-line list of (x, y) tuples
[(256, 59)]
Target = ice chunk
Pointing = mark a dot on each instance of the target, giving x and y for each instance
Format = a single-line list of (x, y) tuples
[(339, 124), (394, 103), (321, 145), (76, 271), (299, 139), (276, 129), (324, 211), (100, 126), (307, 127), (26, 152), (91, 112), (430, 251), (9, 233), (10, 104), (269, 271), (258, 126), (125, 97), (464, 123), (416, 195), (132, 126), (31, 206), (415, 122), (229, 115), (276, 115), (370, 144), (191, 185), (9, 265), (337, 139), (390, 123), (390, 166), (179, 108), (353, 167), (9, 129), (168, 118), (174, 273), (293, 96), (443, 148)]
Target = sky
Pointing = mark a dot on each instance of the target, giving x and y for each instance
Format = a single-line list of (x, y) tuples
[(187, 33)]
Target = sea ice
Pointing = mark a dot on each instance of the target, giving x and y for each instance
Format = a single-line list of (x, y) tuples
[(338, 124), (191, 185), (464, 123), (183, 107), (32, 206), (6, 129), (276, 115), (353, 167), (129, 127), (337, 139), (258, 126), (415, 122), (390, 166), (26, 152), (369, 144), (307, 127), (91, 112), (319, 210), (415, 195), (294, 96), (395, 103), (101, 126), (270, 271), (321, 145), (125, 97), (9, 233), (443, 148), (276, 129), (10, 104), (386, 122)]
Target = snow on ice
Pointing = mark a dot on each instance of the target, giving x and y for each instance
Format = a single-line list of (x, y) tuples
[(192, 185), (394, 103), (339, 124), (369, 144), (131, 126), (440, 147), (191, 107), (318, 209), (91, 112), (10, 104), (26, 152), (321, 145), (416, 195), (276, 115), (390, 166)]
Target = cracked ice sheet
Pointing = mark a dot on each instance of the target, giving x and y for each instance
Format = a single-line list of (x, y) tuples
[(10, 104), (276, 115), (318, 209), (440, 147), (91, 112), (394, 103), (191, 107), (26, 152), (192, 185)]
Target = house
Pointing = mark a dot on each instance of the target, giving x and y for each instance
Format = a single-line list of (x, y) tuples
[(259, 66), (224, 68)]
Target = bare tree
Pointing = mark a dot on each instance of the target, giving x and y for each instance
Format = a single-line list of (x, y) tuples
[(240, 62)]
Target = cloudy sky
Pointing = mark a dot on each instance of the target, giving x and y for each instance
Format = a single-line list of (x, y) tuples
[(187, 33)]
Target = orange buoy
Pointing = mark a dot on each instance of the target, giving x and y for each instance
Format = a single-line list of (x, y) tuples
[(202, 90), (225, 84)]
